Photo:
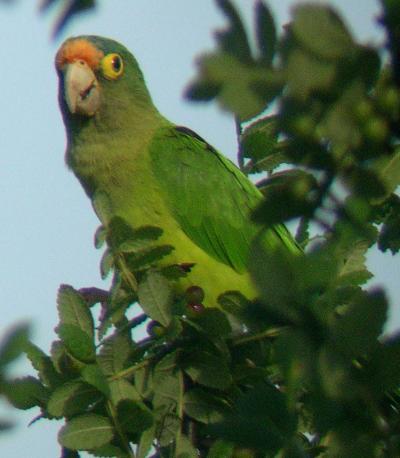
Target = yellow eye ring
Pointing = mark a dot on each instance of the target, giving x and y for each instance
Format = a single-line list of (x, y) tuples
[(112, 66)]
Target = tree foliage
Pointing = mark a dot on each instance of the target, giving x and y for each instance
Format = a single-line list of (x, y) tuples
[(309, 374)]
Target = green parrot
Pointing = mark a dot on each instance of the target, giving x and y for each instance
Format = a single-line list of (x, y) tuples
[(156, 173)]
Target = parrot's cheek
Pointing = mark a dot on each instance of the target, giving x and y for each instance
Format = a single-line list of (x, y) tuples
[(81, 89)]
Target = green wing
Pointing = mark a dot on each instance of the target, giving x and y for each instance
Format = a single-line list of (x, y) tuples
[(209, 196)]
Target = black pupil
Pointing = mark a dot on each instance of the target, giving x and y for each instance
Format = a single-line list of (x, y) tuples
[(116, 63)]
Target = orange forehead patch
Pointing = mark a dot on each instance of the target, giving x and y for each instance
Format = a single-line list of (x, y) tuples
[(77, 49)]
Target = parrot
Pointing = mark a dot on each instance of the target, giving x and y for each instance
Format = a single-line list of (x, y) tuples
[(157, 173)]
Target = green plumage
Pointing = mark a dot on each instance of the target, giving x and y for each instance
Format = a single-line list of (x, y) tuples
[(156, 173)]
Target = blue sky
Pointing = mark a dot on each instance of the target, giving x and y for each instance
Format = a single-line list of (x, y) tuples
[(46, 233)]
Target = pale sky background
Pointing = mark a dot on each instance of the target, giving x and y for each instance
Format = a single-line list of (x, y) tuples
[(46, 232)]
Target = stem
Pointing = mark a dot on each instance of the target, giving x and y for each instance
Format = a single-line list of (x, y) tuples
[(128, 275), (239, 130), (130, 370), (268, 334), (119, 430)]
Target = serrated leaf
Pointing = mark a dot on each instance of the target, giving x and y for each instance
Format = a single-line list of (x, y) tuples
[(221, 449), (43, 365), (144, 381), (265, 32), (185, 448), (61, 359), (204, 406), (122, 389), (114, 354), (389, 236), (134, 416), (106, 264), (86, 432), (155, 297), (233, 40), (357, 330), (168, 429), (14, 343), (208, 369), (146, 441), (100, 237), (262, 421), (109, 451), (167, 383), (147, 257), (353, 271), (71, 398), (93, 375), (79, 344), (140, 238), (388, 169), (260, 139), (320, 30), (73, 310), (25, 393), (307, 74)]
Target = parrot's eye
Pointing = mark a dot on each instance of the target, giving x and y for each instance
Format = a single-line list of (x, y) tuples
[(112, 66)]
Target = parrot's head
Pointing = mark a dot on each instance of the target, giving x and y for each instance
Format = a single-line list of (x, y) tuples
[(98, 77)]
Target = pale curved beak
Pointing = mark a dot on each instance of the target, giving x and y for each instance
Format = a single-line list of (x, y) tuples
[(81, 88)]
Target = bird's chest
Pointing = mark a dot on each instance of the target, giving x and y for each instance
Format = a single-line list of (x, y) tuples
[(124, 180)]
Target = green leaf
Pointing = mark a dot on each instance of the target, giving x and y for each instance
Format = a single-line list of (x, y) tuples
[(213, 322), (43, 365), (115, 353), (140, 238), (353, 270), (155, 297), (134, 417), (262, 421), (167, 382), (109, 451), (106, 264), (184, 448), (288, 194), (307, 74), (26, 392), (100, 237), (169, 428), (356, 330), (389, 236), (73, 310), (320, 30), (207, 369), (388, 169), (71, 398), (63, 361), (146, 441), (265, 32), (144, 381), (79, 344), (14, 343), (204, 406), (86, 432), (238, 82), (221, 449), (122, 389), (260, 139), (93, 375), (233, 40)]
